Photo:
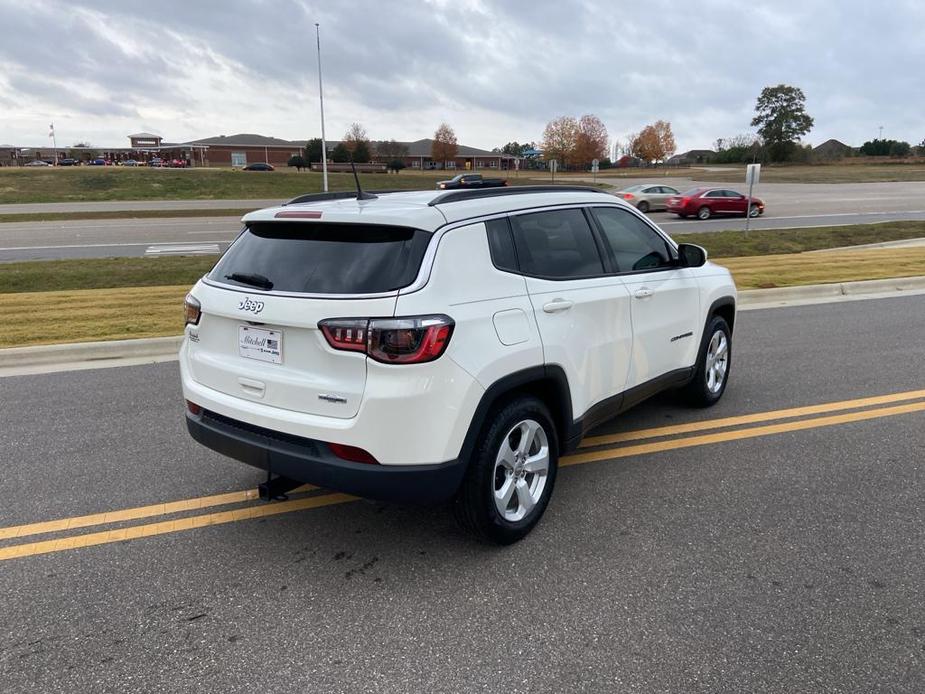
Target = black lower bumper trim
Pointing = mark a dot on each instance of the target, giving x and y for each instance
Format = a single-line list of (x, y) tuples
[(312, 462)]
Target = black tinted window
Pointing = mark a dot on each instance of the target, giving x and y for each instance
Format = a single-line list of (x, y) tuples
[(557, 244), (501, 244), (325, 258), (635, 246)]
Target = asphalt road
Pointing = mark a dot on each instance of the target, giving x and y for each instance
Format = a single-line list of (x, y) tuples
[(750, 561), (788, 205), (130, 205), (103, 238)]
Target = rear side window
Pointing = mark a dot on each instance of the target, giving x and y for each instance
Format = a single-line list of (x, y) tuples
[(501, 245), (634, 245), (557, 244), (323, 258)]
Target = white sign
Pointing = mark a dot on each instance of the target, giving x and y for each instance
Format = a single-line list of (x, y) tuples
[(553, 165), (752, 174), (263, 345)]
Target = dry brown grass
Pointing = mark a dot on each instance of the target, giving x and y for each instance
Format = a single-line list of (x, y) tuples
[(766, 271), (86, 315), (33, 318)]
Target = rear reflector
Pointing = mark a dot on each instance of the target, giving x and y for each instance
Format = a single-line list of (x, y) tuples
[(352, 453), (193, 408), (298, 214)]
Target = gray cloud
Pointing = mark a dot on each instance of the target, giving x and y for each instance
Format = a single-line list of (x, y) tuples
[(496, 70)]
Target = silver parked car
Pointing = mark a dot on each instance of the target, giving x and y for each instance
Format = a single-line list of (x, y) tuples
[(646, 197)]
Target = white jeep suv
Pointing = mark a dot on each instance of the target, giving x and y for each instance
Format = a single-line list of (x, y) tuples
[(427, 346)]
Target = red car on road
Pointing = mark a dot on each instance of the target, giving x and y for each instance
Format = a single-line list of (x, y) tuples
[(704, 203)]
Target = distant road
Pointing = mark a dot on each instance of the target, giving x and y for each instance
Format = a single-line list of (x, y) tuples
[(788, 205), (674, 225), (104, 238), (133, 205)]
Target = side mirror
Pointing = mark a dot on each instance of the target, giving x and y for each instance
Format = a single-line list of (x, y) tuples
[(690, 255)]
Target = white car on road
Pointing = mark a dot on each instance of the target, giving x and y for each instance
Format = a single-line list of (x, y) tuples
[(428, 346)]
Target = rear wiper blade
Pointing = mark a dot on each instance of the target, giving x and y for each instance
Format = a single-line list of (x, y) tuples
[(253, 280)]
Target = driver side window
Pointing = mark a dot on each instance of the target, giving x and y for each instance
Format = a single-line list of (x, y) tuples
[(634, 246)]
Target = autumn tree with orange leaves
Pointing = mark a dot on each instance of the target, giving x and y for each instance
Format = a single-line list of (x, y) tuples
[(591, 141), (575, 142), (654, 143), (444, 147)]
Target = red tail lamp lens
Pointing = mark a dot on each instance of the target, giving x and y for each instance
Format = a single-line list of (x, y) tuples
[(192, 310), (348, 334), (411, 340), (194, 408), (352, 453), (628, 196), (684, 201)]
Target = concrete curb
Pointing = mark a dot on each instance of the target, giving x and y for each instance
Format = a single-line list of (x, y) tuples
[(154, 347), (119, 352), (822, 291)]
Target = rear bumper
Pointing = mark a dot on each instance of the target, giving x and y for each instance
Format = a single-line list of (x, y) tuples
[(311, 461)]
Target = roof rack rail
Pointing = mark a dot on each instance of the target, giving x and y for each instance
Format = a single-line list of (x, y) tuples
[(338, 195), (475, 193)]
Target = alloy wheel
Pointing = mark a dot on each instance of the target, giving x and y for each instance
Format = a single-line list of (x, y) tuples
[(717, 361), (521, 470)]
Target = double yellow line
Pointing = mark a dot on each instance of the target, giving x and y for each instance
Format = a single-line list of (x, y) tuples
[(595, 448)]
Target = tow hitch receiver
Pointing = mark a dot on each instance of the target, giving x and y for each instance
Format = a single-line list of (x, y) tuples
[(277, 488)]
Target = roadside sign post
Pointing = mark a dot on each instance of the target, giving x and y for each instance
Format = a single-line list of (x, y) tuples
[(752, 175), (516, 165), (553, 165), (594, 169)]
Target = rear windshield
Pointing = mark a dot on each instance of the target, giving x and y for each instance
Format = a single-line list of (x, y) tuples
[(317, 258)]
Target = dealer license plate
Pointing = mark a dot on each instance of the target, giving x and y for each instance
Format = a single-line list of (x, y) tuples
[(260, 344)]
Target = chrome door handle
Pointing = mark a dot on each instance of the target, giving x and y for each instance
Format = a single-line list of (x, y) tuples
[(642, 293), (557, 305)]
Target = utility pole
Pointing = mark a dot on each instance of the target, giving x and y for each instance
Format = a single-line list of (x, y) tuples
[(881, 133), (324, 144), (54, 141)]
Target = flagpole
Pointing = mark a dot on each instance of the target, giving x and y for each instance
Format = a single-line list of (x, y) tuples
[(324, 146)]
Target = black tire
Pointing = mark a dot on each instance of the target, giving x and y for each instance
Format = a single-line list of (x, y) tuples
[(475, 506), (704, 213), (643, 206), (701, 391), (754, 211)]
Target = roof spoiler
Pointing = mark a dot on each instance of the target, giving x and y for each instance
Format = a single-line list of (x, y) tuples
[(338, 195)]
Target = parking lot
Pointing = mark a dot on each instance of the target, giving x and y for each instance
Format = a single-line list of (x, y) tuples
[(772, 543)]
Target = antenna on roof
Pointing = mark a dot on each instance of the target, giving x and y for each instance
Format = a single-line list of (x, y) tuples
[(360, 194)]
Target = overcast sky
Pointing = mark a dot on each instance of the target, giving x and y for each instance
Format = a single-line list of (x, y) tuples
[(495, 70)]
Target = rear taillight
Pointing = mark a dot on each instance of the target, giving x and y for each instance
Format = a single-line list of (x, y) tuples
[(345, 333), (193, 408), (411, 340), (352, 453), (192, 310), (684, 201), (627, 196)]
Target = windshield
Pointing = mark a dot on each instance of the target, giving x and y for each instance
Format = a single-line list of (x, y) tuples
[(318, 258)]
